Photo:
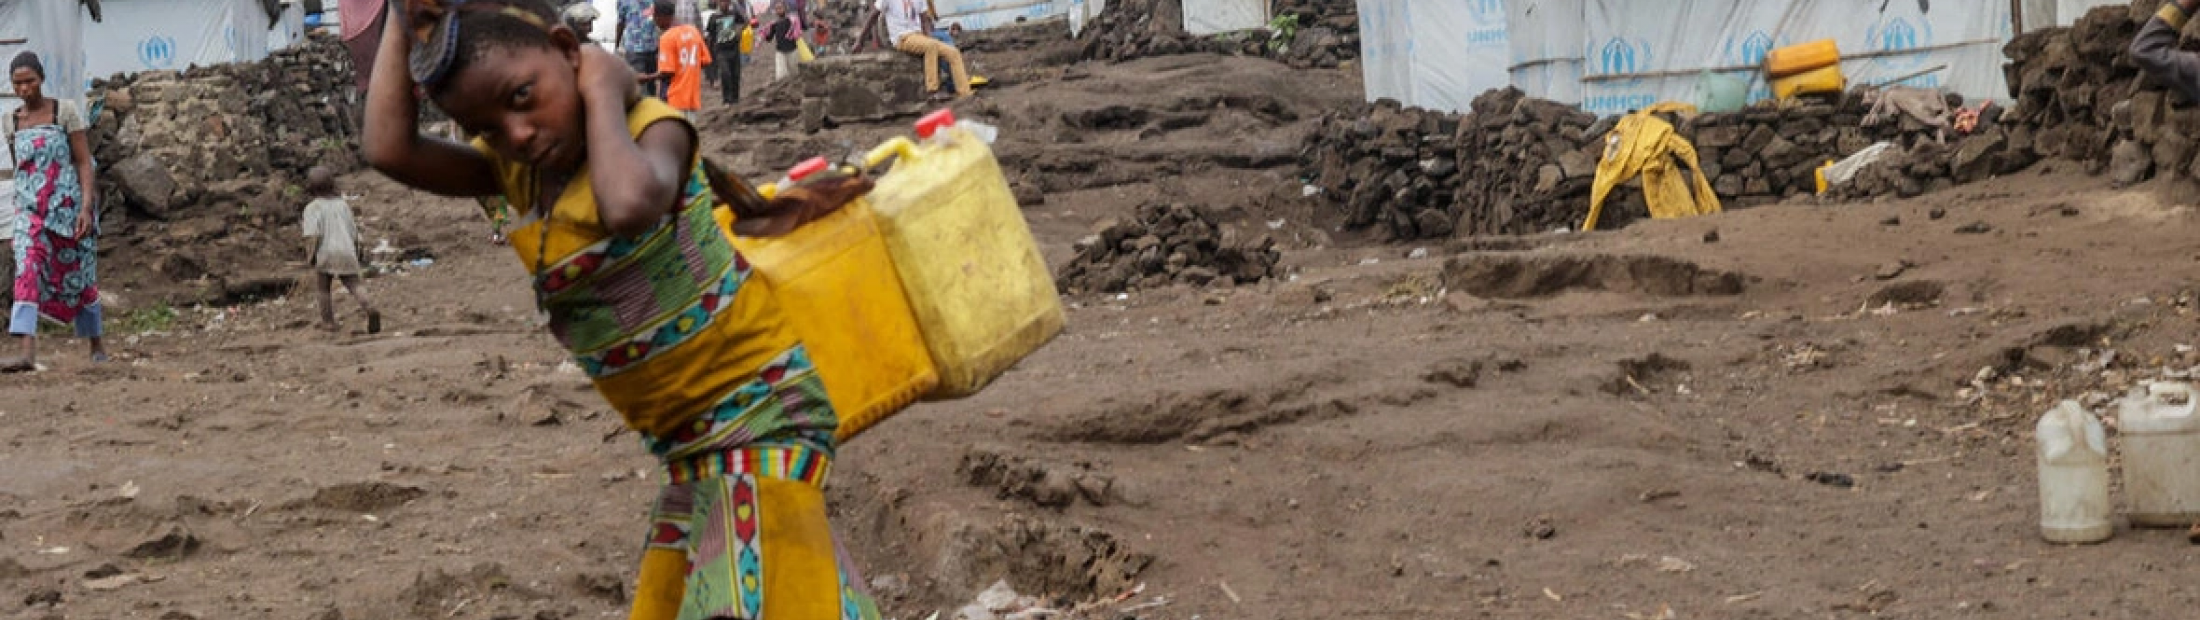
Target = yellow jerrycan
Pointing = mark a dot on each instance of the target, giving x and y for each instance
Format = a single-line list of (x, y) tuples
[(1802, 58), (980, 290), (838, 290)]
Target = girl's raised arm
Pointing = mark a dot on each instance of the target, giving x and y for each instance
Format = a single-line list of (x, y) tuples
[(393, 143)]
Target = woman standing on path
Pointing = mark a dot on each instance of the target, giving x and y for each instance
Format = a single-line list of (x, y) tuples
[(56, 232)]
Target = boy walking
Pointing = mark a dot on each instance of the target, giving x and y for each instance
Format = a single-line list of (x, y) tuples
[(681, 54), (332, 247)]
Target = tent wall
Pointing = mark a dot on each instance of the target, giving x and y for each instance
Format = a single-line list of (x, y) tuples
[(985, 14), (1205, 17), (2067, 12), (1545, 37), (289, 30), (1639, 53), (1611, 56), (1082, 12), (152, 35), (51, 29), (1437, 55)]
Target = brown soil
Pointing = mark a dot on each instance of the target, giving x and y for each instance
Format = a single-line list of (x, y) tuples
[(1748, 415)]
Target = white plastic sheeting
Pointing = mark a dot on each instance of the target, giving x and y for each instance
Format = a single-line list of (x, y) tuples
[(986, 14), (1546, 40), (1082, 12), (154, 35), (1205, 17), (2067, 12), (50, 28), (289, 30), (1437, 55), (1639, 53), (54, 29)]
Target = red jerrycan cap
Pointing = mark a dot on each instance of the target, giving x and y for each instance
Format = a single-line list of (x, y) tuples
[(934, 122), (808, 167)]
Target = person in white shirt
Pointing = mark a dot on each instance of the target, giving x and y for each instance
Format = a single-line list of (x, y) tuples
[(906, 28)]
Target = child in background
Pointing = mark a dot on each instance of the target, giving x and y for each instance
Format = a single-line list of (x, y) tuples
[(332, 248), (638, 279), (784, 37), (681, 54)]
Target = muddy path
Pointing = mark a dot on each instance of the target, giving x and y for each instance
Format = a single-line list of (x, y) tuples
[(1793, 411)]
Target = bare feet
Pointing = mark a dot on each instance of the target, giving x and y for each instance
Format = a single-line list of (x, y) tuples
[(328, 326)]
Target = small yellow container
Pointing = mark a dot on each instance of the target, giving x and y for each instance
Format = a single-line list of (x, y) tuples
[(1827, 79), (1802, 58), (981, 292), (838, 288)]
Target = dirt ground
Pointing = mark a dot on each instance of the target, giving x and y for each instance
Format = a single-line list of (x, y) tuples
[(1771, 413)]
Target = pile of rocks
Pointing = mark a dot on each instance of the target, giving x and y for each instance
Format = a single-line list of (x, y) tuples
[(1518, 165), (172, 135), (2067, 81), (1328, 34), (846, 88), (2079, 95), (1167, 244)]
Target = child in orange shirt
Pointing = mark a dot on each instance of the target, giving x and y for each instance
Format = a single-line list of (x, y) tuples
[(681, 55)]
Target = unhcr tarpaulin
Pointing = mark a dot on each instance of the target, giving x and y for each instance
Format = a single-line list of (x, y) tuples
[(154, 35), (54, 30), (1639, 53), (1437, 55), (1546, 37), (986, 14), (1205, 17)]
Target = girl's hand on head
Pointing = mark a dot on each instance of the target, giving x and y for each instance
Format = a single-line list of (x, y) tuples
[(603, 74)]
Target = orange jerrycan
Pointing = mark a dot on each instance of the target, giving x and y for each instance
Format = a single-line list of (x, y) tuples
[(837, 287), (981, 293)]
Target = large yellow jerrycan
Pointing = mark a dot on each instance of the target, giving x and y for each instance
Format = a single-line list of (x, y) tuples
[(837, 288), (980, 291)]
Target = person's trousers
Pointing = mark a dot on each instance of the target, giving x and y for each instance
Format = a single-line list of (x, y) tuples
[(645, 63), (933, 52), (89, 322), (784, 65), (729, 75)]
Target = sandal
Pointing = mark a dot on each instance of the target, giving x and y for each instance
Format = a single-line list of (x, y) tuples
[(16, 364), (101, 358)]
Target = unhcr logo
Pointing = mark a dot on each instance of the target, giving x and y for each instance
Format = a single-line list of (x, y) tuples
[(157, 52), (1897, 35), (1487, 12), (1489, 24), (1749, 50), (1620, 56)]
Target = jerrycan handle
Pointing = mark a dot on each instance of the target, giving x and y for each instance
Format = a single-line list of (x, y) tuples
[(898, 147), (2183, 391)]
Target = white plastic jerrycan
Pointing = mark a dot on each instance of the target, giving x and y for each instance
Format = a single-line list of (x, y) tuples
[(2073, 476), (2161, 448)]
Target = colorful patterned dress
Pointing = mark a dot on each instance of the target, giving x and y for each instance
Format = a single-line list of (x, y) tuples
[(693, 353), (56, 272)]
